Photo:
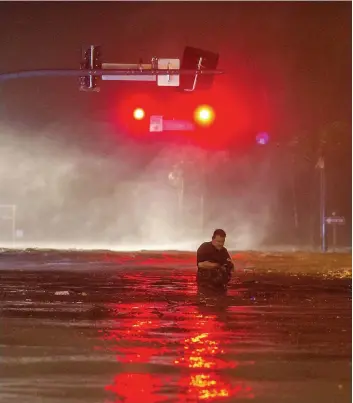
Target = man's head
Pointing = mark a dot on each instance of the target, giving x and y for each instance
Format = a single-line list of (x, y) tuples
[(218, 238)]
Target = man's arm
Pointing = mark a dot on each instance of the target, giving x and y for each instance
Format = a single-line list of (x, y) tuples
[(203, 259), (207, 265)]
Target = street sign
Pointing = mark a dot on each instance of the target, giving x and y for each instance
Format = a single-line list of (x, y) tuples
[(171, 80), (335, 220), (122, 77), (178, 125), (156, 123)]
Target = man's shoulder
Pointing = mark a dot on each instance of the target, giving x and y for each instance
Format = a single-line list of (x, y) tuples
[(204, 245), (209, 243)]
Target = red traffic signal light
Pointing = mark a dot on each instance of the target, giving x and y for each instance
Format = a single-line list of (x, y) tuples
[(204, 115), (139, 114)]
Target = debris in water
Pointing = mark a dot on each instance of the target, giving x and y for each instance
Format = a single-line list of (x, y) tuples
[(62, 293)]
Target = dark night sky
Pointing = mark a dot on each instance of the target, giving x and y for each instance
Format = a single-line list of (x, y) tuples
[(301, 52), (288, 64)]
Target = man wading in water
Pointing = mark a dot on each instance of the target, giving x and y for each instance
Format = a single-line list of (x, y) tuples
[(214, 263)]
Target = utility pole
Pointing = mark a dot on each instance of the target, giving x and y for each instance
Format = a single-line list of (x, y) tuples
[(177, 180), (181, 193), (334, 233), (203, 191), (11, 216), (321, 166), (294, 150)]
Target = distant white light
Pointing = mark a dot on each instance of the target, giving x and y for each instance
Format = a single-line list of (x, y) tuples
[(262, 138)]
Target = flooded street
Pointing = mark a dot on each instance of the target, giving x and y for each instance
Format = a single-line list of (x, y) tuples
[(82, 328)]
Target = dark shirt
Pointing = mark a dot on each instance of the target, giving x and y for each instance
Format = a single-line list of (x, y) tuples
[(208, 253)]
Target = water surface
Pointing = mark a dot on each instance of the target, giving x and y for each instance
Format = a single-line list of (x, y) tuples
[(75, 329)]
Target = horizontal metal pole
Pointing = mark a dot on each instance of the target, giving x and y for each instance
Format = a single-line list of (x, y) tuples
[(128, 78), (158, 72), (125, 66), (100, 72)]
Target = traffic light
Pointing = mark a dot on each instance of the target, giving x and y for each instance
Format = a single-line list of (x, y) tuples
[(197, 59), (91, 60), (139, 114), (204, 115)]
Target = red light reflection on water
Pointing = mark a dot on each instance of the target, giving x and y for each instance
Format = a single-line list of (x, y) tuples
[(205, 357), (149, 261), (136, 387), (131, 340), (199, 358), (128, 333)]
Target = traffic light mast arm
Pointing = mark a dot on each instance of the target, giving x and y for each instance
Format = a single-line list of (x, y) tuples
[(78, 73), (166, 72)]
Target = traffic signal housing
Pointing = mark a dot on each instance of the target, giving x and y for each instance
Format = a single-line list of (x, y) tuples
[(91, 60), (197, 59)]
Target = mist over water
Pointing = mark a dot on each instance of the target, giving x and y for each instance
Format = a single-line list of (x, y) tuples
[(97, 192)]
